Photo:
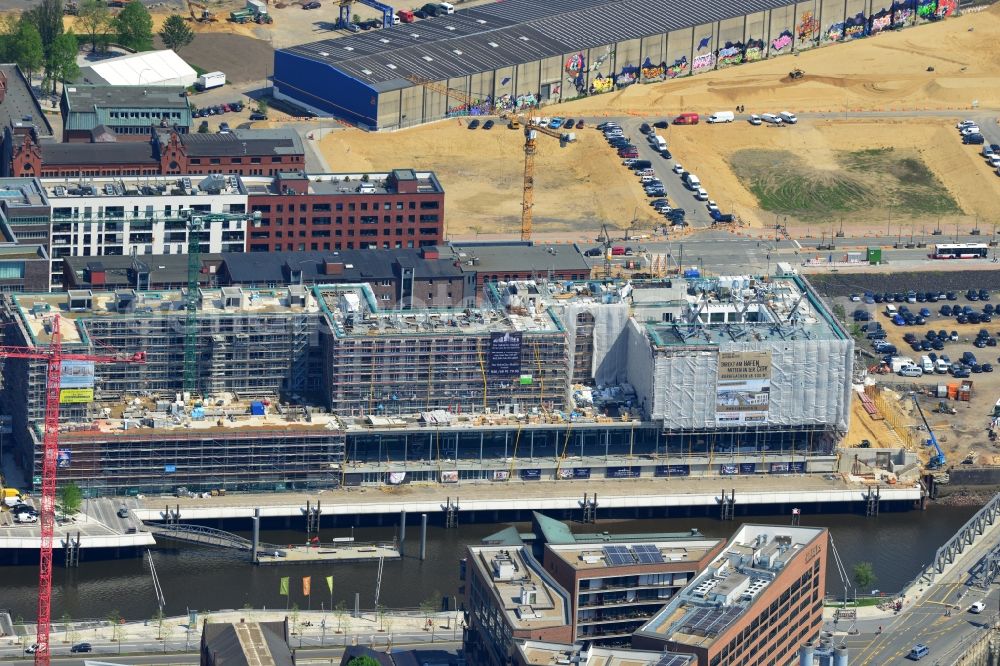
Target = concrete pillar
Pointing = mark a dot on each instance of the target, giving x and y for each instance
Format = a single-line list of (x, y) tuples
[(256, 535), (357, 604), (402, 532), (423, 537)]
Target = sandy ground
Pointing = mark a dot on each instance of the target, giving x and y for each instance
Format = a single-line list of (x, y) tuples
[(706, 150), (887, 71), (584, 185), (580, 186)]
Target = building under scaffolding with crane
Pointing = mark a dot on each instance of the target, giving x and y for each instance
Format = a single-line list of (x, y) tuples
[(318, 386)]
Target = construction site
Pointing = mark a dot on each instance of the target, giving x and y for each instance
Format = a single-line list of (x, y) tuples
[(307, 387)]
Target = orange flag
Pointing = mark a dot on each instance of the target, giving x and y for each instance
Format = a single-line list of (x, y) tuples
[(306, 584)]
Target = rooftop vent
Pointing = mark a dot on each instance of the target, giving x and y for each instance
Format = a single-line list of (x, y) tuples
[(481, 21), (324, 54), (348, 48), (494, 45), (414, 34), (523, 38), (384, 40), (390, 65), (456, 52), (428, 58), (367, 72), (449, 27)]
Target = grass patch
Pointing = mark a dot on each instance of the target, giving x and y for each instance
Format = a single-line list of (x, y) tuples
[(867, 601), (198, 70), (865, 180)]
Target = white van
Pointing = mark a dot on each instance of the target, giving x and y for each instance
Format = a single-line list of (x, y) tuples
[(447, 7), (692, 181), (788, 117), (926, 364), (941, 367), (891, 311), (911, 371), (722, 117), (659, 143), (977, 607)]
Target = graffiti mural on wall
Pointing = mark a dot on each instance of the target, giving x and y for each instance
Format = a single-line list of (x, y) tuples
[(782, 41), (834, 33), (856, 26), (491, 106), (880, 21), (754, 50), (808, 26), (902, 13), (704, 43), (926, 8), (628, 75), (730, 54), (701, 62), (946, 8), (576, 71), (679, 68), (601, 84)]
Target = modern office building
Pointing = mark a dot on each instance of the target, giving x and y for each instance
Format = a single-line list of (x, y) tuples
[(139, 216), (514, 55), (95, 114), (510, 597), (399, 209), (756, 603), (617, 582), (24, 233), (541, 653)]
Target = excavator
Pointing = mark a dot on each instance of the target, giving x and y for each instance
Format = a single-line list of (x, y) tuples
[(203, 15)]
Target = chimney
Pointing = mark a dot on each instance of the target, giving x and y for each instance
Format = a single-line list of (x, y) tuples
[(429, 253)]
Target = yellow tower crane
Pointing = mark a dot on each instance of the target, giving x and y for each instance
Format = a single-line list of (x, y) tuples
[(531, 133)]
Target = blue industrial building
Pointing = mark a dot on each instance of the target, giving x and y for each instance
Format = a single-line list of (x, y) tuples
[(517, 54)]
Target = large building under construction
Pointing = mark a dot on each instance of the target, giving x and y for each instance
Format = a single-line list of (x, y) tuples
[(514, 55), (316, 386)]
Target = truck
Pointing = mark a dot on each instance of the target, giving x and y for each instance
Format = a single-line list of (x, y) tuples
[(722, 117), (11, 496), (210, 80), (405, 15), (686, 119)]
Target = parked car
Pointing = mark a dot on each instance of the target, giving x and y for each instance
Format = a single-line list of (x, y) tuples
[(580, 124), (82, 647), (474, 124), (257, 115), (312, 5), (644, 128), (754, 119), (593, 252), (488, 125)]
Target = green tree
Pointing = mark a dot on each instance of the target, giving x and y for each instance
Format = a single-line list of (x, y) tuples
[(61, 64), (262, 106), (175, 33), (134, 27), (158, 619), (70, 498), (94, 19), (47, 16), (364, 660), (294, 617), (9, 26), (340, 610), (26, 49), (864, 575), (114, 617), (429, 606)]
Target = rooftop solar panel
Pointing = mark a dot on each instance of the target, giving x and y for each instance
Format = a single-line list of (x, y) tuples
[(618, 556), (647, 553), (673, 660)]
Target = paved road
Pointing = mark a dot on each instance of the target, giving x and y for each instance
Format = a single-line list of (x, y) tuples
[(304, 656)]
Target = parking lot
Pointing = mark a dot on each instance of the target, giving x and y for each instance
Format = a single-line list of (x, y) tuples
[(966, 431)]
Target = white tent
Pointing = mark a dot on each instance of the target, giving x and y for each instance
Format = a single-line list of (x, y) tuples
[(152, 68)]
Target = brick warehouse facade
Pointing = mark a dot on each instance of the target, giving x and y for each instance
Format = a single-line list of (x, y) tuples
[(240, 152), (396, 210)]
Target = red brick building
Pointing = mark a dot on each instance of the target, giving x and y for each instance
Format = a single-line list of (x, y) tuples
[(241, 152), (400, 209)]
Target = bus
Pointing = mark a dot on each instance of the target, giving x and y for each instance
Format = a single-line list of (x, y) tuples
[(960, 251)]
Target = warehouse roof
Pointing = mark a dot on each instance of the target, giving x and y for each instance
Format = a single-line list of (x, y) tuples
[(19, 106), (86, 98), (510, 32), (243, 142), (126, 152), (516, 257)]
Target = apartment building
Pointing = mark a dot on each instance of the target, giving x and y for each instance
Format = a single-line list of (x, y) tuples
[(24, 234), (542, 653), (400, 209), (618, 582), (758, 600), (139, 216)]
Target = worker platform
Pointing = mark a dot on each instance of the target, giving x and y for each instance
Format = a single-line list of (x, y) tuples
[(330, 553)]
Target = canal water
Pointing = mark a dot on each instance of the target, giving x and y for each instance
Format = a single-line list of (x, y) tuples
[(202, 578)]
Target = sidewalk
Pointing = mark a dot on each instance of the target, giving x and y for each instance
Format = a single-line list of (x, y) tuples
[(306, 628)]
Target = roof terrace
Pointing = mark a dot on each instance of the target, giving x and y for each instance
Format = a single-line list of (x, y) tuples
[(529, 598), (145, 186)]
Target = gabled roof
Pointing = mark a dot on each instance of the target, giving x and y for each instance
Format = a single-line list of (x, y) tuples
[(227, 644), (357, 266), (112, 152), (242, 142)]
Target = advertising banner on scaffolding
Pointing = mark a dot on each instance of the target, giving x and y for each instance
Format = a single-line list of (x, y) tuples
[(504, 359), (743, 388), (76, 382)]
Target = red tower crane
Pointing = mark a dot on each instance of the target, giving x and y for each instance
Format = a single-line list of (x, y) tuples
[(53, 356)]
